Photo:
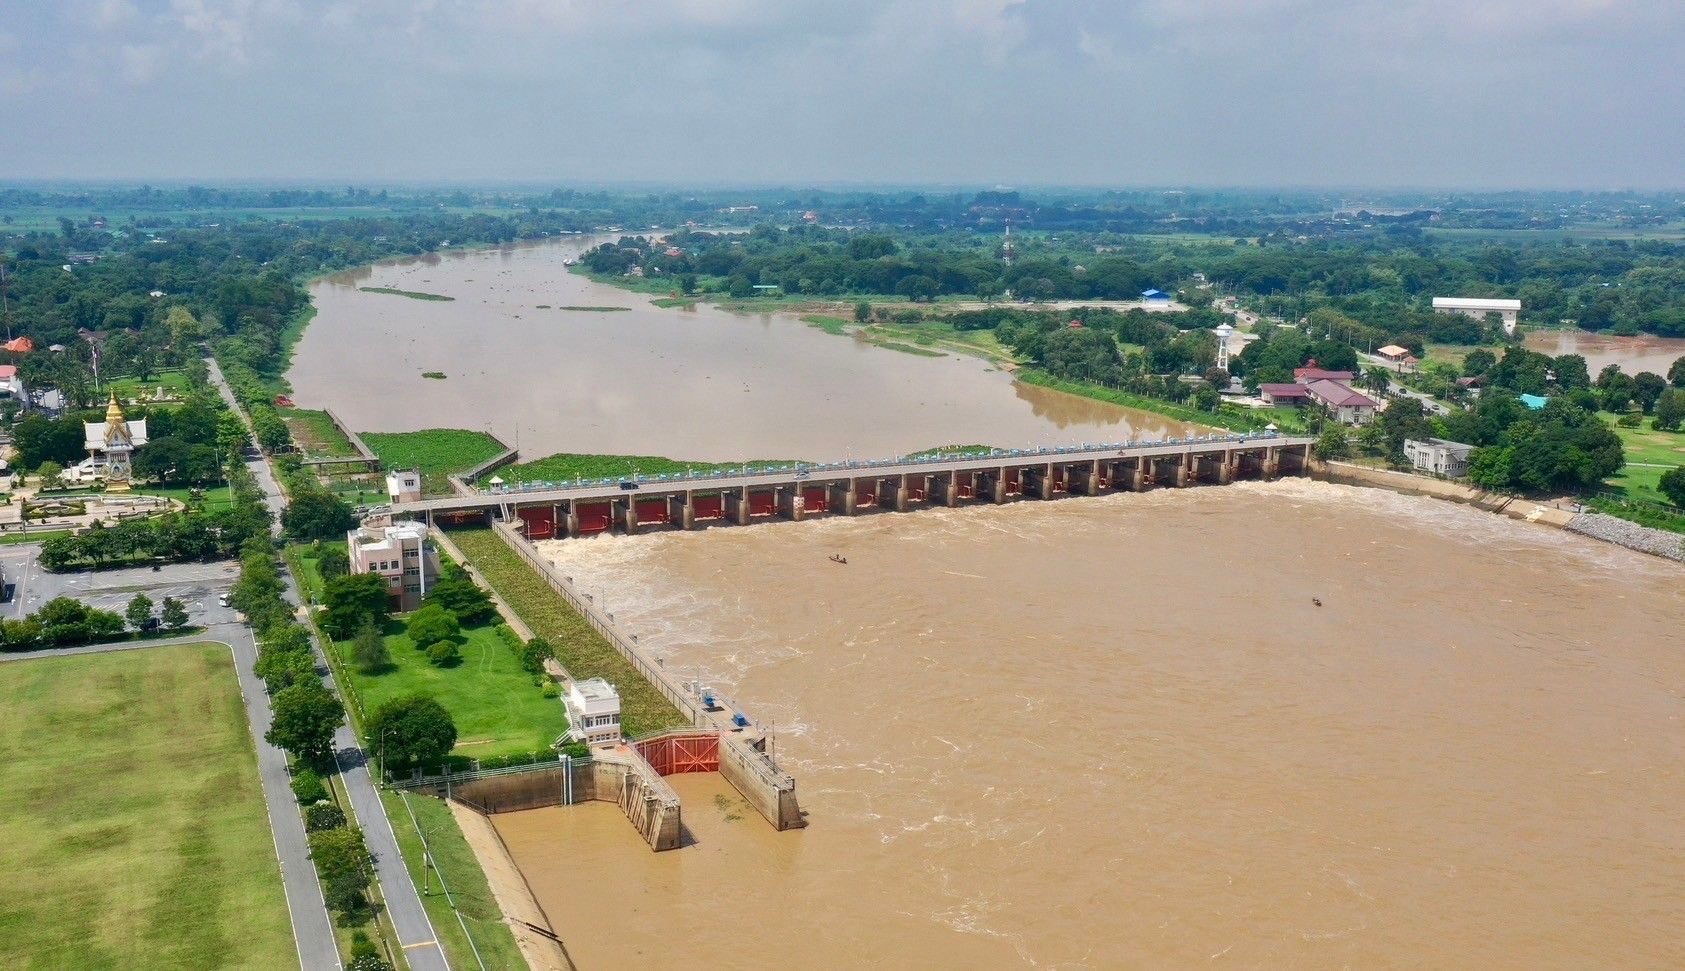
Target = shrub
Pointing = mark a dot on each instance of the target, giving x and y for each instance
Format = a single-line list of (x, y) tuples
[(576, 750), (1631, 419), (308, 788), (508, 636), (362, 947), (549, 689), (322, 815), (444, 653), (368, 962)]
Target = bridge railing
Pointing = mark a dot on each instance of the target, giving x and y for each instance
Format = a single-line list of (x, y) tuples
[(903, 461)]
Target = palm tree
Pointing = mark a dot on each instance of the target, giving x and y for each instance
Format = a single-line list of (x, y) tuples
[(1376, 379)]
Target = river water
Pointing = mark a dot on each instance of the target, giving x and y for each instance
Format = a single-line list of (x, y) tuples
[(1116, 732), (1645, 352), (700, 384)]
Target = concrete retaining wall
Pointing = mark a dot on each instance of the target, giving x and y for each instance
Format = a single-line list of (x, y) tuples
[(1514, 507), (751, 773), (624, 779)]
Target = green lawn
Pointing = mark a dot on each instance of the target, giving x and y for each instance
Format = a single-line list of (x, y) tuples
[(437, 452), (33, 536), (580, 648), (316, 434), (414, 816), (1649, 453), (216, 497), (496, 707), (304, 557), (174, 381), (132, 818)]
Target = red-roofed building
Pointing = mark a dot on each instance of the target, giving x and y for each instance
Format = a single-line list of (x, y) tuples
[(1309, 373), (1345, 405), (1284, 394)]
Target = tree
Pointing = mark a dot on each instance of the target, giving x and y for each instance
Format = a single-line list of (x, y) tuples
[(317, 514), (139, 611), (231, 437), (411, 730), (174, 614), (1647, 386), (306, 717), (1670, 410), (1478, 362), (1207, 399), (534, 654), (1377, 379), (918, 287), (443, 654), (431, 624), (863, 314), (456, 592), (51, 475), (369, 649), (1676, 373), (332, 563), (1333, 443), (343, 864), (1673, 485), (353, 600)]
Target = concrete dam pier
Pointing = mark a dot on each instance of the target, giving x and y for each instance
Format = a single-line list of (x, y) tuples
[(545, 510)]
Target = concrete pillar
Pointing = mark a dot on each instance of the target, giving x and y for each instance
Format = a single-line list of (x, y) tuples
[(631, 516), (1094, 478), (1138, 477), (687, 510), (1272, 463), (997, 487), (1225, 470), (743, 507), (900, 494), (571, 523), (1047, 482), (1182, 476), (951, 490)]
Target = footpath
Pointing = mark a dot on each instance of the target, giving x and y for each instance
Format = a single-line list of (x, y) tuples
[(410, 922)]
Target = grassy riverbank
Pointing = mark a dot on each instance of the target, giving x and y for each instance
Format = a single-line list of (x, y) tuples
[(133, 818), (1230, 418), (316, 434), (437, 452), (584, 652)]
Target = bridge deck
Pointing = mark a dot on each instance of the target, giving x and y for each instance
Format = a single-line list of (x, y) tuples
[(539, 493)]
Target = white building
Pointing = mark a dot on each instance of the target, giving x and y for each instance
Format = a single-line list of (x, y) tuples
[(400, 553), (111, 445), (1436, 456), (1479, 307), (593, 708), (11, 386), (403, 485)]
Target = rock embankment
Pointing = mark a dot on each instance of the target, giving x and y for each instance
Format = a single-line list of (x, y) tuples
[(1658, 542)]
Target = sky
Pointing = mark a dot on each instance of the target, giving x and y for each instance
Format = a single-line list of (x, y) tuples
[(1316, 93)]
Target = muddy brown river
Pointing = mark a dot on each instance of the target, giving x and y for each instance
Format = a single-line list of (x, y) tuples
[(1116, 732), (700, 384)]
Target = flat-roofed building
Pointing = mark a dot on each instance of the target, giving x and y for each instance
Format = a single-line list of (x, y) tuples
[(400, 553), (593, 708), (403, 485), (1436, 456), (1479, 307)]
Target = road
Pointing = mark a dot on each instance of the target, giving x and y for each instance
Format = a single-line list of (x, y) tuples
[(403, 904), (312, 927), (194, 584)]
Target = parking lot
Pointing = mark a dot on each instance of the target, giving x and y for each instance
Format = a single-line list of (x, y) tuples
[(196, 585)]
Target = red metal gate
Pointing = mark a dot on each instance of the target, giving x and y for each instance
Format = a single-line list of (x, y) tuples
[(815, 499), (594, 517), (654, 511), (540, 521), (866, 495), (709, 507), (1014, 482), (763, 503), (679, 754)]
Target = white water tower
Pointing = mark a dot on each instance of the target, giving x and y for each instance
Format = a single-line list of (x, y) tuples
[(1223, 332)]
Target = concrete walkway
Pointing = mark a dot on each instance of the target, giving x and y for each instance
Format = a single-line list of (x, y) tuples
[(312, 927), (403, 904)]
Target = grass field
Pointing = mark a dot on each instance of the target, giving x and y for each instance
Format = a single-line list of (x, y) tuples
[(415, 816), (316, 434), (496, 707), (580, 648), (437, 452), (173, 381), (1649, 454), (216, 496), (567, 466), (132, 816)]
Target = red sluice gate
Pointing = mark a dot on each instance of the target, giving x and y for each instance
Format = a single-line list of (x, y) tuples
[(594, 517), (709, 507), (540, 521), (815, 499), (763, 503), (654, 511)]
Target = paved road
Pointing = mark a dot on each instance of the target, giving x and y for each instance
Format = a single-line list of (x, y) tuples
[(196, 585), (312, 927), (403, 904)]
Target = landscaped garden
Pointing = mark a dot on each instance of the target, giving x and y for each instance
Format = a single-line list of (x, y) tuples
[(133, 818)]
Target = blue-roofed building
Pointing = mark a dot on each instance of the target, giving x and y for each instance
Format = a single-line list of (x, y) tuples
[(1154, 296), (1533, 401)]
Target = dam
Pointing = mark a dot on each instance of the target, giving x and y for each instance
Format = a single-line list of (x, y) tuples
[(798, 491)]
